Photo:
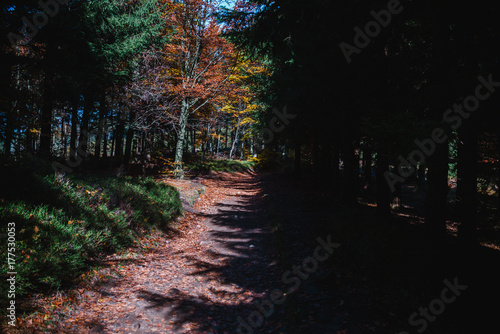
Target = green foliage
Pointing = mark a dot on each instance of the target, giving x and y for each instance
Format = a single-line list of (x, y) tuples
[(267, 160), (64, 223), (453, 156), (116, 31)]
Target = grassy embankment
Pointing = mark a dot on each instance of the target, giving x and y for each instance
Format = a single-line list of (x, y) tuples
[(64, 224)]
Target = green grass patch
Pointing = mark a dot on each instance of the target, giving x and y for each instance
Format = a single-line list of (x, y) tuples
[(64, 223)]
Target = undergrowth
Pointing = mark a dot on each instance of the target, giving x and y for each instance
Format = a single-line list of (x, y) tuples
[(63, 224)]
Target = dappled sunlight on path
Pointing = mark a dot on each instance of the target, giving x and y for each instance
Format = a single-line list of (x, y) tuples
[(199, 282)]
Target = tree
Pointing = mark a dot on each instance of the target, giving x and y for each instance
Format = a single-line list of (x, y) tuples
[(199, 63)]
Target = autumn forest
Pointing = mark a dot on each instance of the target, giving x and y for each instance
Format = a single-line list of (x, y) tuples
[(249, 166)]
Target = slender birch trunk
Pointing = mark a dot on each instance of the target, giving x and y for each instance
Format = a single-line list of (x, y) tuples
[(179, 151)]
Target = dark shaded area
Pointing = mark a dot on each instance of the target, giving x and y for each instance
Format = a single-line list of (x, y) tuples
[(372, 283)]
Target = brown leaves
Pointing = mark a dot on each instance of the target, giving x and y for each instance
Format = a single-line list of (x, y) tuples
[(165, 285)]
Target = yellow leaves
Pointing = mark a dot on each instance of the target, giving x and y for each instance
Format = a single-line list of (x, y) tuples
[(229, 109), (70, 222), (248, 120), (36, 229), (91, 193)]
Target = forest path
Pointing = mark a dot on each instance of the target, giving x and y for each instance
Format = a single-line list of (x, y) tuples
[(198, 282)]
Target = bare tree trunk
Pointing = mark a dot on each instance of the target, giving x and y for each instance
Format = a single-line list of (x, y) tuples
[(383, 191), (297, 165), (367, 166), (179, 151), (128, 142), (46, 120), (218, 141), (437, 193), (7, 104), (102, 116), (467, 182), (350, 182), (105, 144), (227, 139), (194, 140), (118, 138), (74, 122), (9, 130), (63, 138), (84, 129), (235, 141)]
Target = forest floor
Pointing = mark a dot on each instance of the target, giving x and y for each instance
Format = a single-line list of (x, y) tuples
[(242, 236)]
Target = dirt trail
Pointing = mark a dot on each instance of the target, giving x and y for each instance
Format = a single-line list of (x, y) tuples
[(198, 282)]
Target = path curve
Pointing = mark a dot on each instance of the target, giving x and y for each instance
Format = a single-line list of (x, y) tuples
[(200, 282)]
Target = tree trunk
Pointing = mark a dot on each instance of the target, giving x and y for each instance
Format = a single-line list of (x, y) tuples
[(421, 176), (315, 156), (326, 160), (128, 142), (235, 141), (112, 146), (437, 193), (351, 172), (63, 138), (45, 121), (74, 122), (179, 151), (227, 139), (297, 166), (367, 167), (383, 191), (118, 138), (83, 141), (467, 182), (105, 143), (6, 103), (193, 138), (437, 163), (102, 117), (218, 142), (9, 130), (335, 171)]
